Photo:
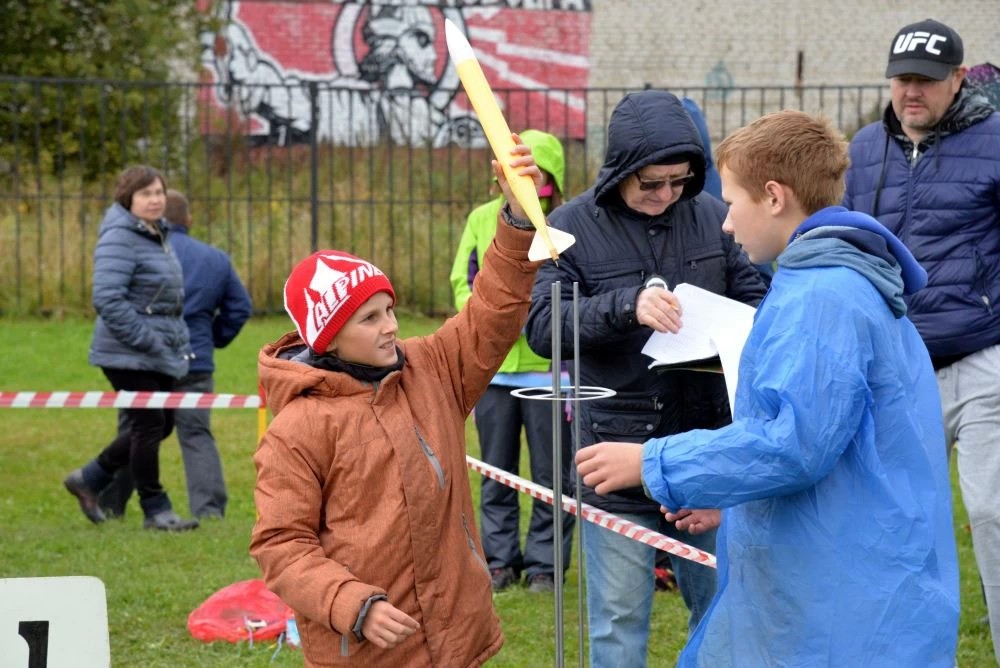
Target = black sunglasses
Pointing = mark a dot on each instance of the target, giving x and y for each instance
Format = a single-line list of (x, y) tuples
[(656, 184)]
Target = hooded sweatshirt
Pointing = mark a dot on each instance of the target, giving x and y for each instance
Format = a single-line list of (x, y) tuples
[(363, 489), (836, 546)]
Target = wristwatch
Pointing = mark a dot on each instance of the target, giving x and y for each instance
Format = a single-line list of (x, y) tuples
[(656, 282), (510, 219)]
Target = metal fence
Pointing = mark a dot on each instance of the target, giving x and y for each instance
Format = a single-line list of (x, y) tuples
[(274, 172)]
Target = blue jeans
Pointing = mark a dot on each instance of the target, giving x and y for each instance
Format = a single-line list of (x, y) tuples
[(620, 585)]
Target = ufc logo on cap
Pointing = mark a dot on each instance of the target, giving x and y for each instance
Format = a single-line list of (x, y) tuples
[(911, 40)]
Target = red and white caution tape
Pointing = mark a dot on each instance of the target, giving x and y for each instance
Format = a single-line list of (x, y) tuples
[(126, 399), (596, 515)]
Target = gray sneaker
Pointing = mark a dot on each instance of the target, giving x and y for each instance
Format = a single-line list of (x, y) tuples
[(542, 583), (168, 520), (75, 485)]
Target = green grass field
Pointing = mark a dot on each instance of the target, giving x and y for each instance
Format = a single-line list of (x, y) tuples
[(154, 580)]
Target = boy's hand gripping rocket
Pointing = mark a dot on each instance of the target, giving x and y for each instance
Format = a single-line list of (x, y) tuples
[(548, 242)]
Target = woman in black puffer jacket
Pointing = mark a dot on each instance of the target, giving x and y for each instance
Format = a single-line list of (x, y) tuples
[(140, 342)]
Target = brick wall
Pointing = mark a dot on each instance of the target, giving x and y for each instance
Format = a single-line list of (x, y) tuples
[(698, 44), (744, 43)]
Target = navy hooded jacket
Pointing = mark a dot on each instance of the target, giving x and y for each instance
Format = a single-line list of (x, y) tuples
[(138, 293), (616, 250)]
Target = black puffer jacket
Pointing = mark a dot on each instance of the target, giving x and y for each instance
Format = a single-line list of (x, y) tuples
[(616, 250)]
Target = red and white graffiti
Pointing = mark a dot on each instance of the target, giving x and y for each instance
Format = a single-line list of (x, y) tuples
[(360, 73)]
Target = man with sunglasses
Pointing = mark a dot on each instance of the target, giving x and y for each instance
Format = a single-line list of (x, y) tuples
[(643, 228)]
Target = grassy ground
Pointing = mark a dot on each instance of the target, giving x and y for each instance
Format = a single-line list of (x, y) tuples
[(153, 581)]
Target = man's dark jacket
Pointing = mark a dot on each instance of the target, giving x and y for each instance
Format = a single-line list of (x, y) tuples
[(216, 305), (945, 206), (616, 251)]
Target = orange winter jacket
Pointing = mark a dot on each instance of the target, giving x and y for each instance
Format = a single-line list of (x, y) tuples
[(363, 489)]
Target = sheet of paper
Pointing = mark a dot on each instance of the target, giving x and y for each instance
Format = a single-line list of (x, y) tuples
[(712, 325)]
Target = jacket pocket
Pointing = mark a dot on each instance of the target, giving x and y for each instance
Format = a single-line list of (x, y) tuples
[(982, 282), (705, 267), (606, 276), (156, 296), (472, 545), (431, 457), (628, 424)]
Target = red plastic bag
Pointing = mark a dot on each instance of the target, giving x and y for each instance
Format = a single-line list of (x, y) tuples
[(241, 611)]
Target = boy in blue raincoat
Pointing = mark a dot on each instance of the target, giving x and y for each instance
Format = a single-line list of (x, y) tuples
[(836, 546)]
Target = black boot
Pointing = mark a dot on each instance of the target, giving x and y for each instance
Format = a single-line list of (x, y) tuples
[(86, 484)]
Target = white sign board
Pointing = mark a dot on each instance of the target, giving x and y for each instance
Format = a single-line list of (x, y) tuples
[(54, 623)]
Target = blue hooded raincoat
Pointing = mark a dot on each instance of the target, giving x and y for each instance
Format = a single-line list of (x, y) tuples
[(836, 546)]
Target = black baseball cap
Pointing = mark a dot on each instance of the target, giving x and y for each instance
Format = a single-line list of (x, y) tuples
[(928, 48)]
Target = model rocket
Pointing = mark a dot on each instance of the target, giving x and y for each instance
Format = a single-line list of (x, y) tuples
[(548, 242)]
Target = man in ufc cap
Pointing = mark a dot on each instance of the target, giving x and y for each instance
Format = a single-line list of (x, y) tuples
[(930, 172)]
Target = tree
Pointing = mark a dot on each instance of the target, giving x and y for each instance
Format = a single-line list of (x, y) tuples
[(83, 81)]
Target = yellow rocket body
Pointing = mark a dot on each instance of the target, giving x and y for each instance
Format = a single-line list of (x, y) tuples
[(498, 134)]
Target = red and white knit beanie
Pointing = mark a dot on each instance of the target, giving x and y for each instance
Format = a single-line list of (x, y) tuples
[(324, 290)]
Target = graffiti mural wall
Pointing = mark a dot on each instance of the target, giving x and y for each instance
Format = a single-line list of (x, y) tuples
[(369, 72)]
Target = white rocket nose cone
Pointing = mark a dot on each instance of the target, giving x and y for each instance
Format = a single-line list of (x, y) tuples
[(458, 46)]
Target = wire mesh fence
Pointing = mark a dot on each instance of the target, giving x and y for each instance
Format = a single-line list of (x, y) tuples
[(274, 172)]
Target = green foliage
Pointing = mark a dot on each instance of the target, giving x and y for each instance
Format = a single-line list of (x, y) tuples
[(45, 121), (134, 40), (154, 581)]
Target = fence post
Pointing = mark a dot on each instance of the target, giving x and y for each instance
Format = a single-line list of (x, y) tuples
[(314, 165)]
